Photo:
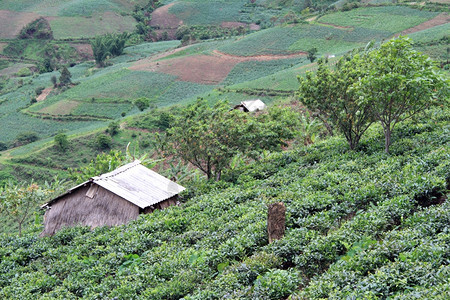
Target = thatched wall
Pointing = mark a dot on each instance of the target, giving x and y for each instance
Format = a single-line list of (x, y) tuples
[(161, 205), (103, 209)]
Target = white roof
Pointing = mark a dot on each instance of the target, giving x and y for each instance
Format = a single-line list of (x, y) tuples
[(136, 184), (253, 105)]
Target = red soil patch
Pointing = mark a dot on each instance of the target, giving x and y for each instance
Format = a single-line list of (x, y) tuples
[(12, 22), (44, 94), (440, 19), (254, 26), (85, 50), (205, 69), (161, 18)]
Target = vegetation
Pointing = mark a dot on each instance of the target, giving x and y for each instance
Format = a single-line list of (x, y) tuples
[(358, 222), (38, 29), (389, 84), (108, 46), (210, 137)]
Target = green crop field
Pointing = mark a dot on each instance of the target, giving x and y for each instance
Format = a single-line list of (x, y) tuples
[(207, 12), (250, 70), (285, 80), (69, 7), (98, 24), (387, 18), (431, 34), (301, 38)]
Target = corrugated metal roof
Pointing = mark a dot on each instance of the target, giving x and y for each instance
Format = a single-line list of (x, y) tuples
[(253, 105), (136, 184)]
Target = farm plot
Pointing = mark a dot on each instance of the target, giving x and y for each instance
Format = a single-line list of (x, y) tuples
[(134, 53), (207, 69), (83, 27), (301, 38), (251, 70), (64, 107), (431, 34), (68, 7), (14, 122), (386, 18), (12, 22), (207, 12), (94, 110), (285, 80), (111, 110)]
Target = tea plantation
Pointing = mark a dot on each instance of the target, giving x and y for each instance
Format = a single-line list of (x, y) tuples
[(360, 224)]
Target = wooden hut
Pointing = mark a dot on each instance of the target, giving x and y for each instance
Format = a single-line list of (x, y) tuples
[(251, 105), (111, 199)]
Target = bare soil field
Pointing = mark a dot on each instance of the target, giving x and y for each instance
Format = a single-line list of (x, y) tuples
[(163, 19), (205, 69), (438, 20), (12, 22), (44, 94)]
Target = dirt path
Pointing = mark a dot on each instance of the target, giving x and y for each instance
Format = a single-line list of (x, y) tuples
[(44, 94), (440, 19)]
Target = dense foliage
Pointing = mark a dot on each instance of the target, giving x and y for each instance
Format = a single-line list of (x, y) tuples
[(389, 85), (209, 137), (359, 224)]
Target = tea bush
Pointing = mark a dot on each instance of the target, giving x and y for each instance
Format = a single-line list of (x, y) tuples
[(359, 224)]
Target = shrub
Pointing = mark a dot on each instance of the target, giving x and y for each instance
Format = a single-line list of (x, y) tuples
[(103, 141)]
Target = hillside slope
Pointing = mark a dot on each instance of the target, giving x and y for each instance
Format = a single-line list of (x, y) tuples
[(360, 224)]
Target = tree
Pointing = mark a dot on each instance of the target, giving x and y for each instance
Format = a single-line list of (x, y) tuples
[(108, 45), (329, 95), (54, 80), (107, 162), (61, 141), (399, 83), (103, 163), (100, 48), (26, 138), (209, 137), (103, 141), (142, 103), (113, 128), (64, 79), (18, 202), (312, 54)]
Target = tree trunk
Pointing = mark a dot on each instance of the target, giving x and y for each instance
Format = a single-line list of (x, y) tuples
[(276, 221), (387, 138)]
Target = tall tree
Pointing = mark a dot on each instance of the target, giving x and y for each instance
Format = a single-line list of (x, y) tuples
[(398, 83), (209, 137), (329, 95), (64, 79)]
